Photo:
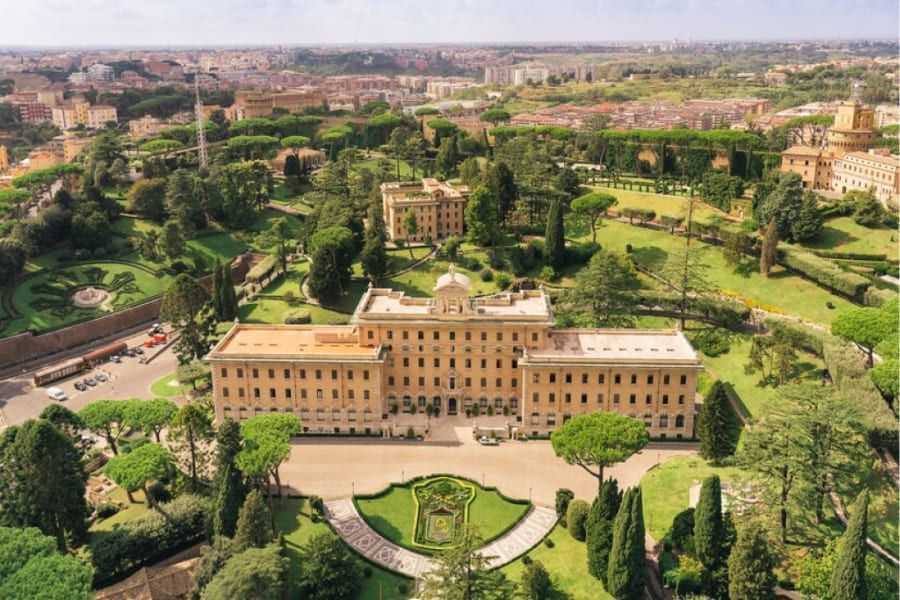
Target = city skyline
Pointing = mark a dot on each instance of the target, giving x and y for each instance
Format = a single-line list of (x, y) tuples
[(103, 23)]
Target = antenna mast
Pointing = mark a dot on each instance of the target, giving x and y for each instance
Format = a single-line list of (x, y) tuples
[(201, 133)]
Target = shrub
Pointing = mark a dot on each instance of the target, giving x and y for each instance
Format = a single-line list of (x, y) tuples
[(402, 589), (367, 571), (106, 510), (712, 342), (686, 578), (148, 539), (549, 543), (526, 560), (824, 272), (807, 339), (316, 503), (876, 296), (99, 252), (158, 490), (487, 275), (576, 518), (82, 254), (503, 280), (548, 274), (299, 316), (563, 497)]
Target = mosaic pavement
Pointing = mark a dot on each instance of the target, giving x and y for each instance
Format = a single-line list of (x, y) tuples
[(356, 532)]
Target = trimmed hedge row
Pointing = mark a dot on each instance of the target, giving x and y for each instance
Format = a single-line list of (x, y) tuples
[(849, 255), (824, 272), (727, 313), (116, 554), (807, 339), (876, 296), (847, 367), (263, 269)]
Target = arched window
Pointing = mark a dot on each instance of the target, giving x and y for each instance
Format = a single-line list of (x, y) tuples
[(422, 401)]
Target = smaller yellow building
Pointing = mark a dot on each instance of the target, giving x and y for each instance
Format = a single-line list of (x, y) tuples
[(439, 208)]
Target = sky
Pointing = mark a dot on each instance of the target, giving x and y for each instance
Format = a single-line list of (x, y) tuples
[(268, 22)]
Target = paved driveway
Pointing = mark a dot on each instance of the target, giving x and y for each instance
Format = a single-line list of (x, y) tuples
[(336, 468)]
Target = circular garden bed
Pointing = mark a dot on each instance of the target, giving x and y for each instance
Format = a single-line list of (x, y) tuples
[(430, 514)]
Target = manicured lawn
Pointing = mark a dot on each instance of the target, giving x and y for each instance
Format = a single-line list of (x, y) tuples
[(666, 489), (756, 398), (129, 226), (130, 512), (273, 311), (397, 259), (844, 235), (289, 282), (393, 514), (372, 165), (28, 295), (566, 562), (168, 387), (663, 204), (264, 223), (292, 519), (421, 280), (781, 292), (221, 245)]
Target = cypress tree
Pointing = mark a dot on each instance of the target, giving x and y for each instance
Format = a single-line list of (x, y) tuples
[(848, 579), (750, 567), (708, 527), (230, 491), (625, 573), (600, 528), (254, 525), (713, 425), (217, 290), (229, 298), (555, 235)]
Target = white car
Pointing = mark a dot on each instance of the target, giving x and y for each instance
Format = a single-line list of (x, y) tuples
[(486, 441), (56, 393)]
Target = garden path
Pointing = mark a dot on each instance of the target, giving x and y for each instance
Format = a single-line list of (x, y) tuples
[(353, 529)]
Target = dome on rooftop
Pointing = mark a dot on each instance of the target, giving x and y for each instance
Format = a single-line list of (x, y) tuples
[(452, 279)]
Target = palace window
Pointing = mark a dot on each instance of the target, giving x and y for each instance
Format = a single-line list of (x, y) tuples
[(255, 373), (271, 373), (240, 372), (224, 372), (287, 373), (632, 398), (679, 421)]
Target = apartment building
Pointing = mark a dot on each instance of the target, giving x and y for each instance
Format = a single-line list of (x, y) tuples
[(879, 172), (4, 159), (453, 352), (79, 112), (439, 208), (248, 104)]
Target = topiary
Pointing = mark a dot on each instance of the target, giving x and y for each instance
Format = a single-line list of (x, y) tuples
[(563, 497), (487, 275), (576, 518)]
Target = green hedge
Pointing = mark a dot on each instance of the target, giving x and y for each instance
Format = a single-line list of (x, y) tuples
[(724, 312), (876, 296), (847, 367), (824, 272), (117, 553), (849, 255), (263, 269), (808, 339)]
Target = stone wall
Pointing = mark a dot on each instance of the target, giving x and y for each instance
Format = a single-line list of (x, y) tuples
[(27, 346)]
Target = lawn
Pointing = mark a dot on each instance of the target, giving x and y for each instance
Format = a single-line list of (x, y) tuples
[(393, 514), (666, 489), (290, 282), (781, 292), (372, 165), (168, 387), (222, 246), (264, 223), (292, 519), (674, 206), (43, 309), (273, 311), (397, 259), (131, 511), (566, 562), (421, 280), (755, 398), (844, 235)]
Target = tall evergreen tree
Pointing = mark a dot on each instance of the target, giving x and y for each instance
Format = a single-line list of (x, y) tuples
[(229, 486), (229, 297), (502, 183), (708, 527), (217, 289), (600, 528), (254, 524), (555, 236), (713, 425), (848, 579), (625, 574), (750, 566)]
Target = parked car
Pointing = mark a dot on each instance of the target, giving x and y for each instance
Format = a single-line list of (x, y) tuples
[(488, 441), (101, 377), (115, 358), (137, 350), (157, 328), (80, 386), (56, 393), (90, 381)]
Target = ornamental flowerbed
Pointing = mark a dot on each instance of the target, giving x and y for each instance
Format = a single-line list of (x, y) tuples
[(442, 511)]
